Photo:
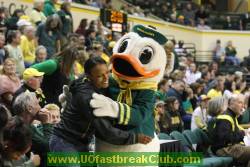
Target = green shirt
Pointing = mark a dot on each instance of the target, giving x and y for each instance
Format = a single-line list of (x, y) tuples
[(49, 8)]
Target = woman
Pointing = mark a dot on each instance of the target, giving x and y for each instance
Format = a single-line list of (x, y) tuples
[(82, 27), (58, 72), (171, 119), (78, 124), (67, 21), (17, 142), (9, 81), (49, 35), (199, 116)]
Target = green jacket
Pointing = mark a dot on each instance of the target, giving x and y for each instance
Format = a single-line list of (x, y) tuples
[(49, 8), (138, 117)]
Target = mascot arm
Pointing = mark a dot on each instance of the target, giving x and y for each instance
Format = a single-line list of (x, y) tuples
[(110, 134), (140, 111)]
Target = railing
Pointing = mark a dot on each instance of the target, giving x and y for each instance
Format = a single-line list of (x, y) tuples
[(204, 56)]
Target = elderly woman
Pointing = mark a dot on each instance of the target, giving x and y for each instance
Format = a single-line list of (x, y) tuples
[(49, 35), (9, 81)]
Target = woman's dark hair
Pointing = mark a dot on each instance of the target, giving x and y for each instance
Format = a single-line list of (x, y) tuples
[(169, 102), (83, 23), (162, 83), (15, 13), (11, 35), (92, 62), (67, 58), (17, 134)]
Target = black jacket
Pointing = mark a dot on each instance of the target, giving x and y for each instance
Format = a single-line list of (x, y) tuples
[(223, 135), (39, 94), (78, 123)]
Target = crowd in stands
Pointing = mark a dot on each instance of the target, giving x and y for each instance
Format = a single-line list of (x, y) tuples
[(203, 17), (39, 53)]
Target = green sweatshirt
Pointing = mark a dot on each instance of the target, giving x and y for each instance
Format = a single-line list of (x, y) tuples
[(138, 117)]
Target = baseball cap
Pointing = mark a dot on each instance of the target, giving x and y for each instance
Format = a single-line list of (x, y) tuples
[(204, 97), (31, 72)]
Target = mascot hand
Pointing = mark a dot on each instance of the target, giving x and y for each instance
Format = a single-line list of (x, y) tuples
[(104, 106), (62, 97)]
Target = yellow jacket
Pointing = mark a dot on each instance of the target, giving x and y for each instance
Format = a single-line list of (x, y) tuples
[(28, 49)]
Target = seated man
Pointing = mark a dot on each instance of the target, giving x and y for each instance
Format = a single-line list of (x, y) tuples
[(32, 83), (227, 137)]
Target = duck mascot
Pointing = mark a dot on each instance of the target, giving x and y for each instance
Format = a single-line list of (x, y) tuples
[(138, 64)]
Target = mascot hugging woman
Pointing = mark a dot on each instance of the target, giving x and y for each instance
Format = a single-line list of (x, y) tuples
[(138, 64)]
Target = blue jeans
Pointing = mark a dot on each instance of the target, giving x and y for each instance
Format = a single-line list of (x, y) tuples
[(57, 144)]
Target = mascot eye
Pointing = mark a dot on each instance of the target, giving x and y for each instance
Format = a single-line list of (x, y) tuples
[(146, 55), (123, 46)]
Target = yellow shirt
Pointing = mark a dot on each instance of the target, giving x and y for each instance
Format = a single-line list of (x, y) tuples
[(36, 16), (214, 93), (28, 49)]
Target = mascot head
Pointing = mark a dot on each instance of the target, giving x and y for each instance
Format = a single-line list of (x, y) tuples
[(139, 56)]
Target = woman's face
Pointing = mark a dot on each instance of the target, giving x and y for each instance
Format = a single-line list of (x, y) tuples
[(9, 67), (99, 76), (54, 23), (176, 105)]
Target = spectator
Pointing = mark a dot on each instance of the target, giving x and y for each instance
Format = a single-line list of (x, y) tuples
[(171, 57), (41, 54), (202, 26), (189, 14), (58, 72), (28, 45), (158, 112), (90, 38), (67, 21), (217, 90), (228, 25), (163, 87), (49, 7), (14, 50), (218, 52), (3, 27), (187, 105), (10, 82), (82, 27), (192, 74), (171, 118), (26, 107), (201, 14), (181, 20), (11, 23), (49, 35), (177, 90), (37, 16), (199, 116), (228, 134), (231, 54), (32, 83), (98, 51), (17, 138), (197, 90), (3, 53)]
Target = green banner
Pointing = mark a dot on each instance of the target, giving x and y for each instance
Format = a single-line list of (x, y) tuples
[(123, 158)]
